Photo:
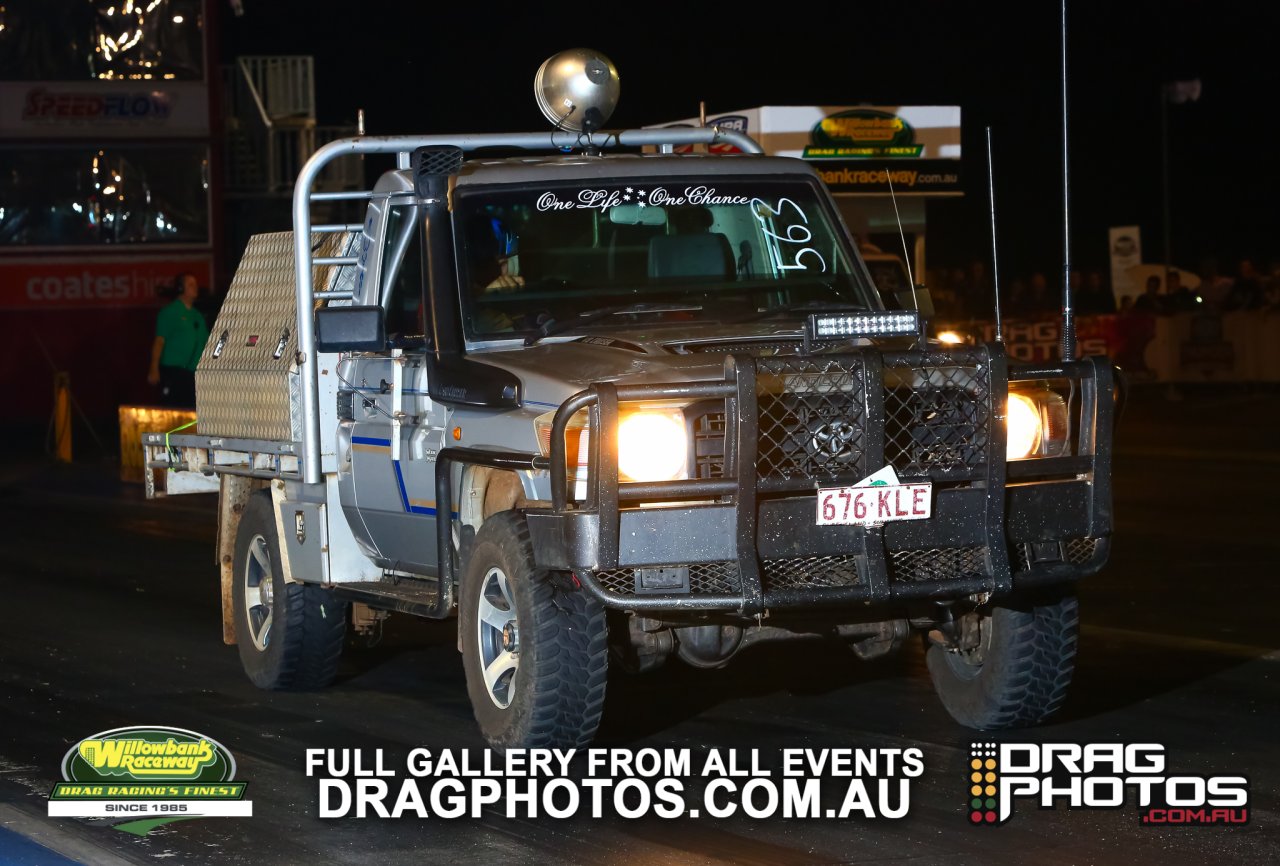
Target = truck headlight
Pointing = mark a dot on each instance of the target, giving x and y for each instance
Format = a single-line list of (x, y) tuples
[(1024, 427), (652, 445), (1036, 425)]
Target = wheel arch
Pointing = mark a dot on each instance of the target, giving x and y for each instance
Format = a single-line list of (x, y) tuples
[(485, 491), (233, 495)]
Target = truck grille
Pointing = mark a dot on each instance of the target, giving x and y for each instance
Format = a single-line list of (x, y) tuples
[(812, 415), (937, 415), (1081, 550), (704, 578), (1074, 551), (939, 563), (807, 572), (720, 578), (812, 418)]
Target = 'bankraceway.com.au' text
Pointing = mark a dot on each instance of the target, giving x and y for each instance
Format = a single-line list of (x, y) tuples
[(667, 783)]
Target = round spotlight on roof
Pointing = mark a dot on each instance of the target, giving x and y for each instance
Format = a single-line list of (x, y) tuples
[(577, 89)]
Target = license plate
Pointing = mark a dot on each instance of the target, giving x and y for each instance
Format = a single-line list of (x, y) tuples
[(865, 506)]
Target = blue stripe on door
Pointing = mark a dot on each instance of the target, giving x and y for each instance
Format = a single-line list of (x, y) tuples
[(395, 464)]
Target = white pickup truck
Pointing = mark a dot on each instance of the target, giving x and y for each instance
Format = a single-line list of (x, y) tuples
[(532, 390)]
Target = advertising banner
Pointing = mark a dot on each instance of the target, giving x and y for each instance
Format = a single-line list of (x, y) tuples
[(885, 132), (908, 177), (859, 149), (1037, 340), (65, 283), (103, 109)]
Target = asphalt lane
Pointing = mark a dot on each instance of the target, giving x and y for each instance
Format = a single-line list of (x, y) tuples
[(112, 620)]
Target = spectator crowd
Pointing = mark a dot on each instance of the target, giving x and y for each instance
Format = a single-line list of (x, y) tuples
[(966, 293)]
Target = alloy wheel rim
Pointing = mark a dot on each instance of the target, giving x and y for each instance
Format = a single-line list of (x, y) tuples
[(258, 590), (498, 634)]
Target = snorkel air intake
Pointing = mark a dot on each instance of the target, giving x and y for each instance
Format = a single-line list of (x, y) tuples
[(432, 168)]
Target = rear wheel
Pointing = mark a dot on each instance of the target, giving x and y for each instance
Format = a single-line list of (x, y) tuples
[(1011, 665), (290, 635), (534, 645)]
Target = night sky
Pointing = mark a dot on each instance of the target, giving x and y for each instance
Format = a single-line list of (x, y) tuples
[(418, 67)]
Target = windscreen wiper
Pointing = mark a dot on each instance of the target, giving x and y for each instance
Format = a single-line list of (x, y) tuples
[(801, 307), (552, 327)]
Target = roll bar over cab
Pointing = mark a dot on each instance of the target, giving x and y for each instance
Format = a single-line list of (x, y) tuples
[(378, 443)]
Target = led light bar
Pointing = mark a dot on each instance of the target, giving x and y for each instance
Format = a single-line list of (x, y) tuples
[(875, 323)]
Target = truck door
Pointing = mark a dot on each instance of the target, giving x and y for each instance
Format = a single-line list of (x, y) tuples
[(397, 429)]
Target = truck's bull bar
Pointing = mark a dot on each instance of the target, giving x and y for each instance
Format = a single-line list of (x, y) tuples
[(747, 540)]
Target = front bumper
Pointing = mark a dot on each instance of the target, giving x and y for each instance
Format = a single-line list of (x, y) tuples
[(745, 540)]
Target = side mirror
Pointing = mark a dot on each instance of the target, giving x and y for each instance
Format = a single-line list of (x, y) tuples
[(350, 329), (922, 299)]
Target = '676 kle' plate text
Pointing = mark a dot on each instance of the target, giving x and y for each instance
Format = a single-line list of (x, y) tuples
[(864, 506)]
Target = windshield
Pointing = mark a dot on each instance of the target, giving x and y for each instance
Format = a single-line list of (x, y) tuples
[(651, 252)]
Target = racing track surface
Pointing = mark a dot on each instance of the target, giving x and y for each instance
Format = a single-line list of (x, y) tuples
[(111, 619)]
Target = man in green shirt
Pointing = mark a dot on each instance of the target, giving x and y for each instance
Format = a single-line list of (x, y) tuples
[(181, 333)]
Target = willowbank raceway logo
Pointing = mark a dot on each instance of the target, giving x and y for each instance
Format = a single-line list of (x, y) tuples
[(149, 776), (1097, 776)]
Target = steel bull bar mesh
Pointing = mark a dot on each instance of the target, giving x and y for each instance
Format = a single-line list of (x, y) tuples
[(743, 537)]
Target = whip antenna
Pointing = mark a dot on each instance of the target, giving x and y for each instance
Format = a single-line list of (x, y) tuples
[(1068, 313), (906, 257), (995, 256)]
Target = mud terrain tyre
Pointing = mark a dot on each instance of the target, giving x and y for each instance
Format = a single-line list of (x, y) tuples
[(1020, 671), (290, 635), (534, 645)]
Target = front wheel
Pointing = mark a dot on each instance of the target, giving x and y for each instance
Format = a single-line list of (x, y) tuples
[(290, 635), (1013, 663), (534, 646)]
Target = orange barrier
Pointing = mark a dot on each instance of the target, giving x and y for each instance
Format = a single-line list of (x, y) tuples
[(62, 416)]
